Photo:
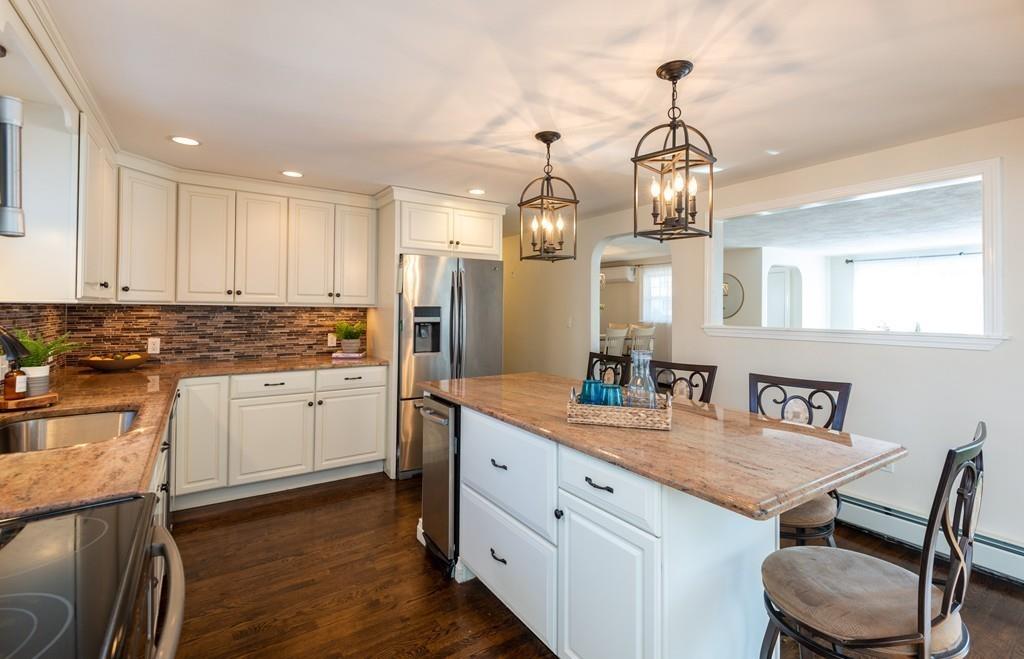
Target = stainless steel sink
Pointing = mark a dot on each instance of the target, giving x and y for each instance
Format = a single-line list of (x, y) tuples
[(60, 431)]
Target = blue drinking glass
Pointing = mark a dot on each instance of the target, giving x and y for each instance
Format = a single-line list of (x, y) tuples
[(611, 394), (591, 394)]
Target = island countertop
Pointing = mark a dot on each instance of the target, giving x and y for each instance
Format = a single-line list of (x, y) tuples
[(755, 466), (40, 481)]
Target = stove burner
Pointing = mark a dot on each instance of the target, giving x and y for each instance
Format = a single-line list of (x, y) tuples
[(90, 531), (32, 623)]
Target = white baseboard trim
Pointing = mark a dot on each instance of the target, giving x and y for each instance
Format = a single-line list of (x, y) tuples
[(990, 554), (222, 494), (419, 532), (462, 574)]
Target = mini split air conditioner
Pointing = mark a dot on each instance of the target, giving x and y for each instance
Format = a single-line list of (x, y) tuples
[(619, 274)]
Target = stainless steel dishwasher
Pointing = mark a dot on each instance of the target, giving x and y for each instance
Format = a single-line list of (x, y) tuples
[(440, 479)]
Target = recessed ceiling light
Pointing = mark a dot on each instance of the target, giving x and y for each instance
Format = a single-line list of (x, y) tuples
[(477, 191), (772, 152), (185, 141), (292, 174)]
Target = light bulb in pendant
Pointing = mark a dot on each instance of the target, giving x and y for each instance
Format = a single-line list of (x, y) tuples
[(559, 224), (655, 188), (692, 186), (668, 194), (534, 225), (677, 183)]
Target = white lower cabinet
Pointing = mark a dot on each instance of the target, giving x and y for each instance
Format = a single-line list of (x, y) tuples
[(349, 427), (201, 438), (270, 437), (515, 563), (609, 585)]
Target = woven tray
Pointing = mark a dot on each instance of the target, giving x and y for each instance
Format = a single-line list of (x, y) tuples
[(622, 417)]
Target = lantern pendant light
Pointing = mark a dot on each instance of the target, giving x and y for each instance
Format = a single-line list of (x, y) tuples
[(547, 217), (673, 173)]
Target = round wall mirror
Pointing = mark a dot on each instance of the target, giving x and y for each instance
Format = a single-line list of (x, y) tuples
[(732, 295)]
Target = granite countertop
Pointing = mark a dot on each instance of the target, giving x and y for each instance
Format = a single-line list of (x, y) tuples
[(744, 462), (39, 481)]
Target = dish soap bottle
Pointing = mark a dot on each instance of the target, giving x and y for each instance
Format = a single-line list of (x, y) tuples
[(15, 383), (641, 391)]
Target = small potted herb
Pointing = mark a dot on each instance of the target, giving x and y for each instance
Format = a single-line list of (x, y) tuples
[(37, 363), (349, 335)]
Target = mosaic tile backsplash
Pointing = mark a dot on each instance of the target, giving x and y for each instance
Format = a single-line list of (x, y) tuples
[(186, 332)]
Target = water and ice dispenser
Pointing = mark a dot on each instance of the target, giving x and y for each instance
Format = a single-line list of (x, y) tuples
[(426, 323)]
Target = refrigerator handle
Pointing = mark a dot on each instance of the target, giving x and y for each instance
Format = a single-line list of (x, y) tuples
[(400, 279), (451, 329), (462, 326)]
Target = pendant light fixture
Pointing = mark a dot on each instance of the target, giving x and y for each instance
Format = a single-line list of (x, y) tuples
[(547, 219), (673, 173)]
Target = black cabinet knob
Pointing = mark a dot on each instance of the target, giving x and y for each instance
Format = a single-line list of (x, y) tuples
[(164, 446), (319, 402), (125, 289), (451, 242), (458, 242), (228, 291), (104, 284), (558, 513), (310, 403), (238, 292), (330, 295)]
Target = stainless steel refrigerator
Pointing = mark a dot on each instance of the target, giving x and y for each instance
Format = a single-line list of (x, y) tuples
[(449, 326)]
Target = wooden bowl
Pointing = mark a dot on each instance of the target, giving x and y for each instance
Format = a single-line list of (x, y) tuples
[(116, 364)]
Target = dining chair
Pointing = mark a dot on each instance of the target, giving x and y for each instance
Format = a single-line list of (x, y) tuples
[(608, 368), (615, 340), (797, 400), (641, 336), (695, 381), (839, 603)]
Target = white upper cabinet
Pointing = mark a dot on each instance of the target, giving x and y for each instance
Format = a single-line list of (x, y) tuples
[(206, 244), (426, 227), (472, 233), (355, 271), (477, 233), (146, 254), (98, 213), (261, 249), (310, 252)]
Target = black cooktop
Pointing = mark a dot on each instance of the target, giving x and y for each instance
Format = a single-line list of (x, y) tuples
[(69, 580)]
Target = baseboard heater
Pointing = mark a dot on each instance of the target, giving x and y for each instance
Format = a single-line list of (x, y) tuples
[(991, 555)]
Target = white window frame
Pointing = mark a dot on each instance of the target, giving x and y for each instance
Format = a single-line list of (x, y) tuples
[(992, 250)]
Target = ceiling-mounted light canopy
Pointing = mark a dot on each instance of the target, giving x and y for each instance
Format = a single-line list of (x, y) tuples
[(547, 219), (673, 173)]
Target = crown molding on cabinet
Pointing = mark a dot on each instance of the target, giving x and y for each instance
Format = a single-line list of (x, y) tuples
[(241, 183), (394, 193)]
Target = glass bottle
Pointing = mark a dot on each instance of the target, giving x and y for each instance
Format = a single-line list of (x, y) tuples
[(641, 392), (15, 383)]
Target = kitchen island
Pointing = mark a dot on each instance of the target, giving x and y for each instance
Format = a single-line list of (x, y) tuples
[(614, 542)]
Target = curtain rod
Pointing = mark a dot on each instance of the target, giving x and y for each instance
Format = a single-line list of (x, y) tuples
[(908, 258)]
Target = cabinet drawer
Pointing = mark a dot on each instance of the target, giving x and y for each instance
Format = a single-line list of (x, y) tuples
[(512, 561), (629, 497), (514, 469), (272, 384), (351, 378)]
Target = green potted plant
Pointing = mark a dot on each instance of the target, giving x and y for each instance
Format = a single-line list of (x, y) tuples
[(349, 334), (36, 363)]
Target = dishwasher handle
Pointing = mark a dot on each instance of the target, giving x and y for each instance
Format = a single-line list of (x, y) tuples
[(431, 415), (169, 634)]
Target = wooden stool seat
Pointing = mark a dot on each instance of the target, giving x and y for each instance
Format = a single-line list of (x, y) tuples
[(852, 596), (819, 511)]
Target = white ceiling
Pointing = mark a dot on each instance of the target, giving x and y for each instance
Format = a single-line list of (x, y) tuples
[(446, 95), (917, 220), (630, 249)]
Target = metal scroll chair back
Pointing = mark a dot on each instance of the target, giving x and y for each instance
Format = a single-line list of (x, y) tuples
[(954, 513), (813, 402), (608, 368), (694, 381)]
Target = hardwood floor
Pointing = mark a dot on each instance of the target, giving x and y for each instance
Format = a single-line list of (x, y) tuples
[(335, 571)]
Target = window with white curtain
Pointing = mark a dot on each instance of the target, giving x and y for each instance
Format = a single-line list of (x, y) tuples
[(656, 293)]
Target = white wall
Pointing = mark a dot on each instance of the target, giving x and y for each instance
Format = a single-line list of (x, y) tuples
[(924, 398), (746, 265), (814, 283)]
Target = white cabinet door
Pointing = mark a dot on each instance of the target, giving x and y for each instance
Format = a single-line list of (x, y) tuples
[(349, 427), (261, 249), (147, 236), (426, 227), (206, 244), (609, 585), (477, 233), (270, 438), (310, 252), (99, 219), (200, 444), (355, 268)]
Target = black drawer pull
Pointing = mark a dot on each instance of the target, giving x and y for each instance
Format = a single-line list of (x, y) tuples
[(607, 488), (495, 464), (498, 558), (125, 289), (273, 384), (164, 446), (358, 377), (104, 284)]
